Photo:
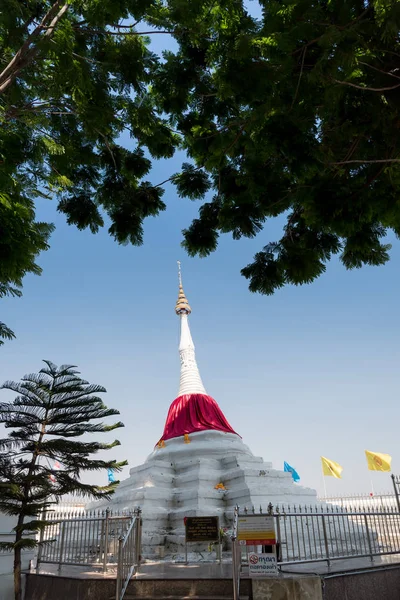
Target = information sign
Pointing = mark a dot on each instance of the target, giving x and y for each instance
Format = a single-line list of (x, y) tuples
[(202, 529), (256, 530), (262, 565)]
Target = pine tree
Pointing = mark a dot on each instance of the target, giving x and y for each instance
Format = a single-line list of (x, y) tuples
[(53, 408)]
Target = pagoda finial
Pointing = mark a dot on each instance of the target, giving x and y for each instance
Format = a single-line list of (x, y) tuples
[(179, 273), (182, 305)]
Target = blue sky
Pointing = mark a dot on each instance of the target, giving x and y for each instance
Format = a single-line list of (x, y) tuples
[(311, 371)]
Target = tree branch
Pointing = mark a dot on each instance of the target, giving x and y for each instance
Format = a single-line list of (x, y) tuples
[(26, 53), (367, 162), (360, 62), (365, 88), (108, 147), (136, 32), (300, 76), (340, 27), (173, 177), (308, 44)]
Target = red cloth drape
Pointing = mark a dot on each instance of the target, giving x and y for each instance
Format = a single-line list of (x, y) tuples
[(194, 412)]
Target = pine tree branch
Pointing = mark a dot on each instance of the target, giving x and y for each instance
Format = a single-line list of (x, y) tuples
[(5, 333)]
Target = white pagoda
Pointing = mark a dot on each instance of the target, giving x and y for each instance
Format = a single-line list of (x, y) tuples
[(200, 466)]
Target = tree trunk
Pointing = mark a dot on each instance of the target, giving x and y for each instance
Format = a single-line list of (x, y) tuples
[(28, 50), (17, 573)]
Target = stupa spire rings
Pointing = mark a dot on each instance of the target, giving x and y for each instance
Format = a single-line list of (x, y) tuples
[(179, 273), (182, 306)]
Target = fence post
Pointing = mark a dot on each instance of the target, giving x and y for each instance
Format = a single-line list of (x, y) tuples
[(61, 545), (235, 561), (325, 540), (39, 554), (105, 549), (43, 517), (396, 491), (368, 538), (278, 536), (234, 570), (119, 569), (138, 536)]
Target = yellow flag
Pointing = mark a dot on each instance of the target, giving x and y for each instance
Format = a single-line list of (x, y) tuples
[(378, 461), (331, 468)]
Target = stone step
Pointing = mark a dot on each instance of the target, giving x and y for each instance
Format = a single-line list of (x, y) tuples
[(128, 597), (172, 588)]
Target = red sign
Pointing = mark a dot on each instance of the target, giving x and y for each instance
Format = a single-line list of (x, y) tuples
[(260, 542)]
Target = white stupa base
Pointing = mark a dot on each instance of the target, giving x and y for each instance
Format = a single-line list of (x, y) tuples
[(179, 481)]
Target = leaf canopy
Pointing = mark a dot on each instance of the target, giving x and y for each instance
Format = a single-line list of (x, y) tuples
[(291, 113)]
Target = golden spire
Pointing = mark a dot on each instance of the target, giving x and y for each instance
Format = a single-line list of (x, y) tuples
[(182, 305)]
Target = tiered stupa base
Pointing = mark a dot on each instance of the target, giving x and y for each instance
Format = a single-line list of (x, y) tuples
[(178, 480)]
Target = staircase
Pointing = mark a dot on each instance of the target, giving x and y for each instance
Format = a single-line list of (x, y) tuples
[(176, 597), (185, 589), (53, 587)]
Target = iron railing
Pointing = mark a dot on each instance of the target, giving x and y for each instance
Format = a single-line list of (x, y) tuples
[(361, 500), (85, 539), (236, 555), (324, 533), (396, 487), (330, 533), (129, 554)]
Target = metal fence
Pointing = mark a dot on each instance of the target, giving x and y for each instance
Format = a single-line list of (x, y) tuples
[(85, 539), (324, 533), (310, 534), (396, 488), (129, 555), (362, 500)]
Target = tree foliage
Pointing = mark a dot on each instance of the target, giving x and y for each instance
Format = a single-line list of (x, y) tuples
[(21, 239), (53, 409), (293, 112), (73, 81)]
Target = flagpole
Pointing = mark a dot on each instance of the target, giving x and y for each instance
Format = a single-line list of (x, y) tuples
[(326, 495), (372, 487), (323, 479)]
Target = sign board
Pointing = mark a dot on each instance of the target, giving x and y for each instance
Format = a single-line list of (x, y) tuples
[(256, 530), (202, 529), (262, 565)]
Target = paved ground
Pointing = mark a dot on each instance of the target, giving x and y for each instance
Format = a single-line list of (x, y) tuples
[(170, 570)]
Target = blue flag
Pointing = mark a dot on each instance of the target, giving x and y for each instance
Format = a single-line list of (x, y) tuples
[(289, 469), (111, 477)]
